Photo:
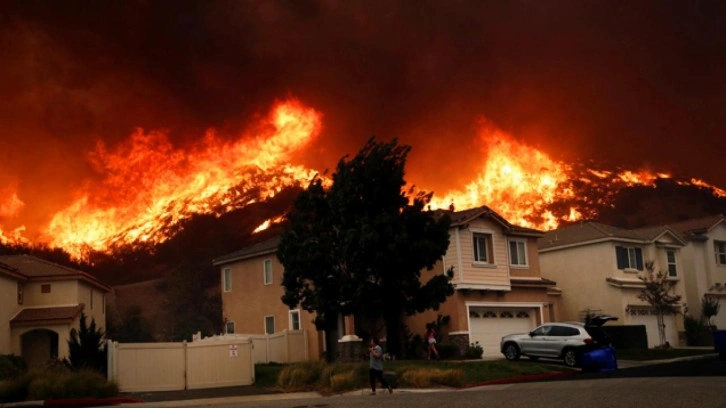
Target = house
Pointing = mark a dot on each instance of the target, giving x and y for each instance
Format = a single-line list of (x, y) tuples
[(40, 302), (704, 261), (598, 268), (498, 286)]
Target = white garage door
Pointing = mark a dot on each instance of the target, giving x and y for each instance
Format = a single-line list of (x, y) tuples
[(651, 328), (488, 325)]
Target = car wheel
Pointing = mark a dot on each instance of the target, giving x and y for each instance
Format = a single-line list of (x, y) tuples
[(511, 352), (570, 357)]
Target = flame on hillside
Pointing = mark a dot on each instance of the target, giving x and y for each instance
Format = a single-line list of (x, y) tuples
[(149, 185)]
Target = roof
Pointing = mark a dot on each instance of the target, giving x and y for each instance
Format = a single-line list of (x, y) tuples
[(591, 232), (692, 229), (8, 270), (46, 315), (34, 268), (261, 248), (461, 218)]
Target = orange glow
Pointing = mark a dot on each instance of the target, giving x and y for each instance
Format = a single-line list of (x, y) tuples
[(10, 204), (265, 225), (150, 185)]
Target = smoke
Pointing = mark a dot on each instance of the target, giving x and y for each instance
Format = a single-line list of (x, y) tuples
[(630, 83)]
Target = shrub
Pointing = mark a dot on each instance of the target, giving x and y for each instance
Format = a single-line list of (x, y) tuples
[(11, 366), (448, 350), (474, 351), (696, 330), (55, 383), (344, 381), (358, 371), (300, 376)]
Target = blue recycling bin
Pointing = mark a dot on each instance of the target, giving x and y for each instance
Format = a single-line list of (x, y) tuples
[(599, 360), (719, 343)]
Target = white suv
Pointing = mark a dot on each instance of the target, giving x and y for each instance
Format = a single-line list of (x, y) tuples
[(564, 341)]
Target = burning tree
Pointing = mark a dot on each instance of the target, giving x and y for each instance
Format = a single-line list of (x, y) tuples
[(657, 292), (360, 246)]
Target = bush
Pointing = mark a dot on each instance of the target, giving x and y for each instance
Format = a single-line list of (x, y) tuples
[(358, 372), (57, 383), (697, 331), (448, 350), (300, 376), (11, 366), (474, 351)]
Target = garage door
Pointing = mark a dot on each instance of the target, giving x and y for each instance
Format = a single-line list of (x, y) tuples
[(488, 325), (650, 322)]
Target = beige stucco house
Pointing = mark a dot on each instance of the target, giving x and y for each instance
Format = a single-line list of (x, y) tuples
[(704, 260), (40, 302), (597, 266), (499, 288)]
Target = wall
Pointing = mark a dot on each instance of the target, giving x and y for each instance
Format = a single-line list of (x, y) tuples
[(288, 346), (250, 300), (8, 309), (61, 293)]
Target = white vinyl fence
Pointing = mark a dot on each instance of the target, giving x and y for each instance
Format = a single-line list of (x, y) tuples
[(211, 362), (139, 367), (287, 346)]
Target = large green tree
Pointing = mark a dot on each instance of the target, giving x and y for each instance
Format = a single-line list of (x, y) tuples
[(360, 246)]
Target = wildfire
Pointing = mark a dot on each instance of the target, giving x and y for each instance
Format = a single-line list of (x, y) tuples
[(150, 185), (265, 225)]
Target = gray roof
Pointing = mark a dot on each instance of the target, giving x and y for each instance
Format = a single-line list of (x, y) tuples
[(459, 218), (37, 269), (588, 232), (261, 248), (691, 229)]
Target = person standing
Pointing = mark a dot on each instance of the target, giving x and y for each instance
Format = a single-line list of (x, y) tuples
[(375, 370), (431, 341)]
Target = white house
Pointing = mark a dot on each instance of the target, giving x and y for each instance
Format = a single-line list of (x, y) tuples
[(598, 267), (704, 260)]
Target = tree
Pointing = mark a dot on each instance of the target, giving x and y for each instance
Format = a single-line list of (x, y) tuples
[(360, 246), (132, 327), (86, 347), (658, 294)]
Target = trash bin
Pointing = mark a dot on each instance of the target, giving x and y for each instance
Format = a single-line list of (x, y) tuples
[(599, 359), (719, 343)]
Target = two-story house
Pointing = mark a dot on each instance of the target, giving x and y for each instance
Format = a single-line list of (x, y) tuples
[(598, 266), (704, 260), (499, 288), (40, 302)]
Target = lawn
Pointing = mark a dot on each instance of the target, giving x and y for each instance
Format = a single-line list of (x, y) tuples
[(474, 372), (660, 354)]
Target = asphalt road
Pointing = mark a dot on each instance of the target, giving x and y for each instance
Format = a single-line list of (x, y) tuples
[(695, 383)]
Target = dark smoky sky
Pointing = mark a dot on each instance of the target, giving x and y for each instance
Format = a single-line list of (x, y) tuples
[(632, 83)]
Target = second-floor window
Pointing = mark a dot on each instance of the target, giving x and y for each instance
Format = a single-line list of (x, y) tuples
[(719, 248), (229, 327), (629, 257), (20, 293), (518, 252), (267, 271), (671, 259), (483, 248), (227, 279)]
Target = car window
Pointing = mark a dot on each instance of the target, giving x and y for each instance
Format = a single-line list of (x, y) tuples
[(542, 331)]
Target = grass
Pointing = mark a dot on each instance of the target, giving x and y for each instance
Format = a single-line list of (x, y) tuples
[(660, 354), (341, 377)]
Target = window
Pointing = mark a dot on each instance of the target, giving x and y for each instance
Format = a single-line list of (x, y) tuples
[(20, 293), (563, 331), (629, 257), (294, 320), (229, 327), (45, 288), (483, 250), (267, 268), (518, 252), (541, 331), (269, 324), (227, 278), (671, 258), (720, 250)]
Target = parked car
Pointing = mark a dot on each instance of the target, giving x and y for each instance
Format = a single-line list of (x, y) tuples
[(566, 341)]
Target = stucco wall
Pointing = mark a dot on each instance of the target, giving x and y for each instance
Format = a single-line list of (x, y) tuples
[(249, 301), (61, 293), (8, 308)]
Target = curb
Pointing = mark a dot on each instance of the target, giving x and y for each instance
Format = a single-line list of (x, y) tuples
[(76, 402), (524, 378)]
